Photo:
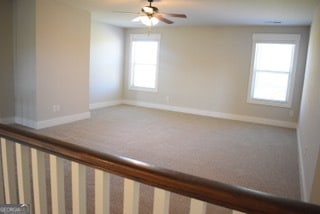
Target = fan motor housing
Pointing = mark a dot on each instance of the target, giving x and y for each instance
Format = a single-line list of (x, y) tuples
[(150, 10)]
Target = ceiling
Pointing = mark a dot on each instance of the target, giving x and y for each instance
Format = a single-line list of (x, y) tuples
[(205, 12)]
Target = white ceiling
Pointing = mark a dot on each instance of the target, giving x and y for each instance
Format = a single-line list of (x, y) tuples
[(206, 12)]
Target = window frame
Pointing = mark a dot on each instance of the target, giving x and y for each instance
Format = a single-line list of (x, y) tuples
[(143, 37), (274, 39)]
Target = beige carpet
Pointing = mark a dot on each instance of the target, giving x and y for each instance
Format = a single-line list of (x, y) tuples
[(254, 156)]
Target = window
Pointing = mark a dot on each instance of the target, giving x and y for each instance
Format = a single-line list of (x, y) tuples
[(272, 69), (144, 61)]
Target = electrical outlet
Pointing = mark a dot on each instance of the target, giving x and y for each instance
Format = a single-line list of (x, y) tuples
[(167, 99), (56, 108)]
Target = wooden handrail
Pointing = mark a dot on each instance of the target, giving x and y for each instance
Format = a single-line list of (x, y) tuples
[(230, 196)]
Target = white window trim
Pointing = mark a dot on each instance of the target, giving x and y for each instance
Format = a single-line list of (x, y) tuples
[(280, 39), (143, 37)]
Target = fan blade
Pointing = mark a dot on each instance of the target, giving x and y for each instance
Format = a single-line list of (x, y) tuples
[(161, 18), (174, 15)]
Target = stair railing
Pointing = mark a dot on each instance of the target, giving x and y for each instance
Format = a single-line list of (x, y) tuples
[(24, 182)]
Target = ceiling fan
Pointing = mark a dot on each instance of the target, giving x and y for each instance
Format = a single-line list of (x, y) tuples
[(151, 16)]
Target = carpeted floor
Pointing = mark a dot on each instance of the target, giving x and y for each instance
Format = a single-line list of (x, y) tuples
[(254, 156)]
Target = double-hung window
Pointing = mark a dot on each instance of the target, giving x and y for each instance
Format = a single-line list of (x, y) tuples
[(144, 58), (273, 67)]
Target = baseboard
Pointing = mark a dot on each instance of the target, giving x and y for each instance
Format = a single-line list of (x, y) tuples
[(62, 120), (243, 118), (86, 115), (303, 190), (25, 122), (104, 104)]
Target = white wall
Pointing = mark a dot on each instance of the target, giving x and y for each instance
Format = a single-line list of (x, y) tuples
[(6, 61), (62, 59), (52, 50), (106, 64), (25, 87), (309, 121), (208, 68)]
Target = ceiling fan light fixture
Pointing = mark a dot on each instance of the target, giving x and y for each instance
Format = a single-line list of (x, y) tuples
[(150, 15), (148, 10), (149, 21)]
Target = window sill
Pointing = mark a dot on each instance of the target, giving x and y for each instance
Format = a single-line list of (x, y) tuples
[(132, 88), (269, 103)]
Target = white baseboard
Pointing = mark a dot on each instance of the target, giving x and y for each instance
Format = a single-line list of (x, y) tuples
[(62, 120), (243, 118), (104, 104), (52, 122), (86, 115), (25, 122), (303, 190)]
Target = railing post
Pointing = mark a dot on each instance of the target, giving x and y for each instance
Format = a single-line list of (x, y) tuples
[(20, 175), (161, 201), (57, 185), (102, 192), (23, 173), (38, 182), (8, 167), (7, 194), (79, 201), (198, 207), (131, 197)]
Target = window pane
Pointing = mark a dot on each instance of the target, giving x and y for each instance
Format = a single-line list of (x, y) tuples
[(144, 62), (274, 57), (144, 76), (271, 86), (145, 52)]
